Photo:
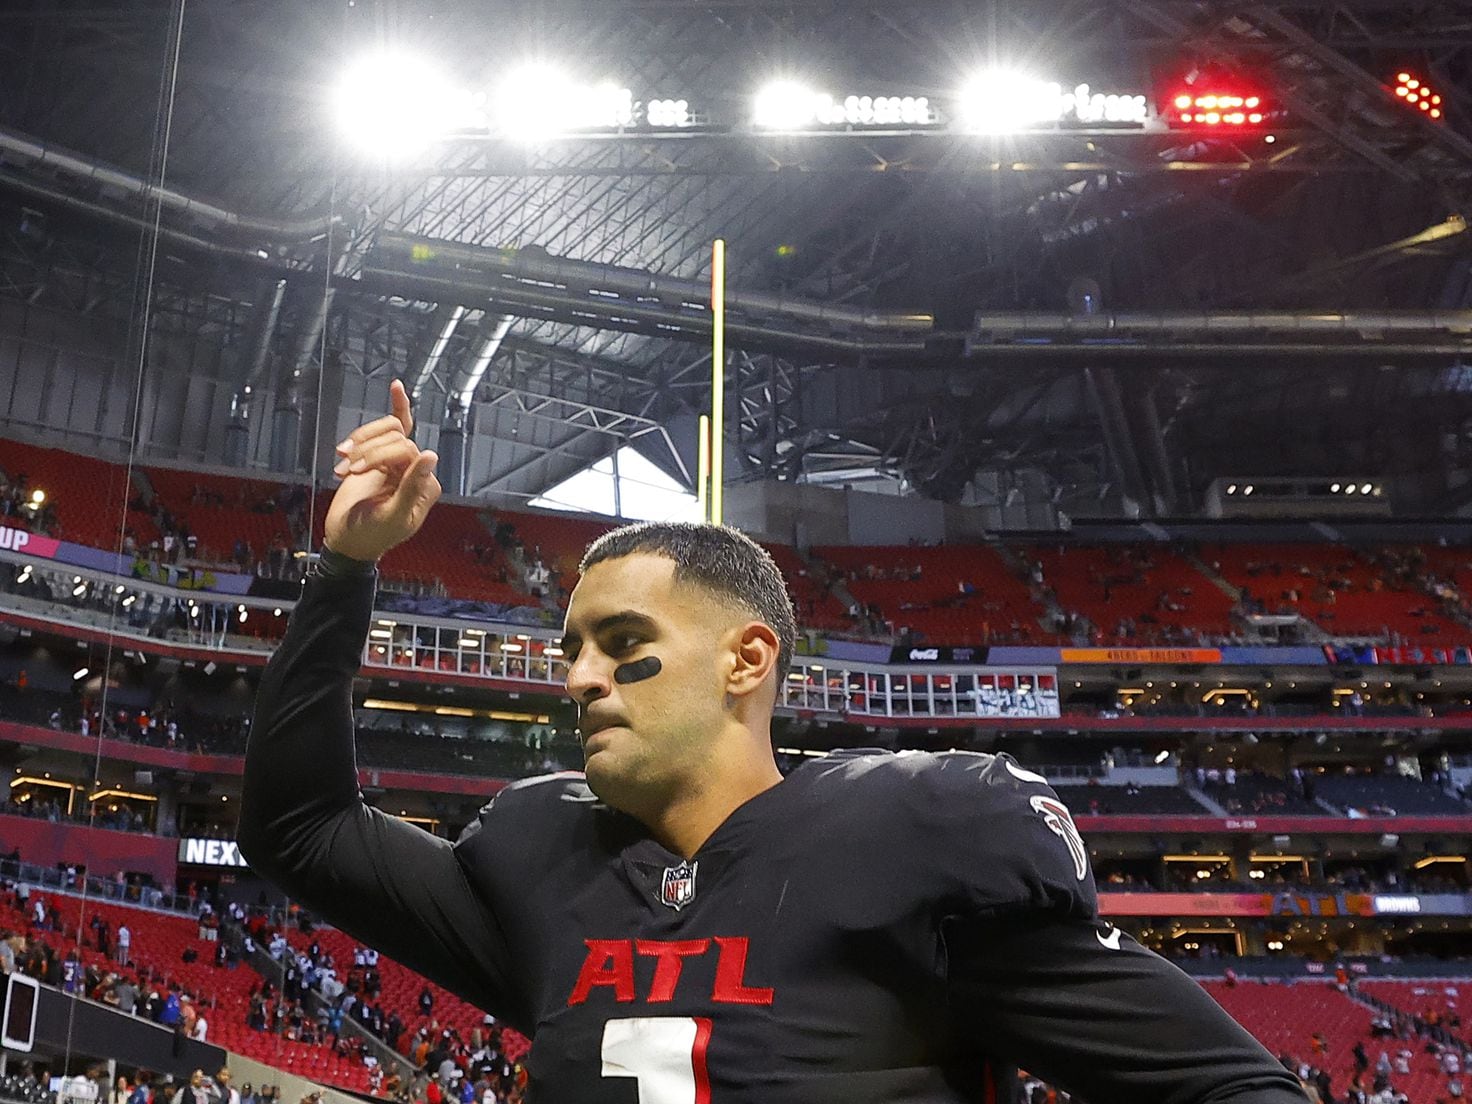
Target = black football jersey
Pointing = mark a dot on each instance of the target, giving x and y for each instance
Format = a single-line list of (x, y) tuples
[(875, 928)]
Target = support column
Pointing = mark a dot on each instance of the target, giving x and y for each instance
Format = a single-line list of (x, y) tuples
[(166, 815), (1103, 388), (1241, 859), (237, 431), (453, 452), (286, 421)]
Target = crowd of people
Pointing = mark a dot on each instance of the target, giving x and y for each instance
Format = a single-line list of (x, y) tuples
[(457, 1069), (51, 951), (166, 725)]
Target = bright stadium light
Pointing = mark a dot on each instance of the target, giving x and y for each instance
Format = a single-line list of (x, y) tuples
[(1418, 94), (668, 113), (538, 101), (787, 105), (1002, 101), (395, 104), (1220, 104)]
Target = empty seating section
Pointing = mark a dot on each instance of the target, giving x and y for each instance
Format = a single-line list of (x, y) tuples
[(1454, 565), (1158, 594), (953, 594), (157, 947), (1399, 796), (1332, 586), (1140, 594), (816, 606), (445, 550), (401, 989), (1284, 1017), (87, 494), (456, 547), (1138, 800), (220, 510), (559, 540), (1260, 795), (1426, 997)]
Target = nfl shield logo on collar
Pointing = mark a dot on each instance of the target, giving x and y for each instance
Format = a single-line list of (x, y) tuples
[(678, 887)]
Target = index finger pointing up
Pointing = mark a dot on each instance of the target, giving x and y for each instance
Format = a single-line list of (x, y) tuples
[(400, 400)]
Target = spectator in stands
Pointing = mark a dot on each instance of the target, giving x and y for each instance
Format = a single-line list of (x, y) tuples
[(125, 944), (426, 1001), (84, 1088), (125, 995), (194, 1092), (256, 1018), (187, 1015), (71, 972), (221, 1091)]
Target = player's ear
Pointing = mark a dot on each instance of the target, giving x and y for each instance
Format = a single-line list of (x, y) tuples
[(755, 650)]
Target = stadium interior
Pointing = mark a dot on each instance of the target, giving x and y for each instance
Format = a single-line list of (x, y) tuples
[(1099, 376)]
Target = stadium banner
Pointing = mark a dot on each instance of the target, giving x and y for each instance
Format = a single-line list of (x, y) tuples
[(210, 852), (1423, 904), (1298, 903), (1275, 825), (1408, 655), (1024, 655), (856, 651), (1282, 654), (1318, 903), (116, 563), (1235, 655), (1141, 655), (943, 654), (29, 544)]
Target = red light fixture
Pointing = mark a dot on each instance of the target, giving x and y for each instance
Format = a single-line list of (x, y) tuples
[(1414, 92), (1216, 107)]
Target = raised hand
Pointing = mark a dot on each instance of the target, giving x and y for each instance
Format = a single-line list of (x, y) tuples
[(388, 485)]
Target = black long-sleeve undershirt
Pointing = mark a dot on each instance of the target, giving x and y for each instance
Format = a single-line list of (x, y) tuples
[(305, 827)]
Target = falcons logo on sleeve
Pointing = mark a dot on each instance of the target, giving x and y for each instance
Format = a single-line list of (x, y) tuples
[(1060, 822)]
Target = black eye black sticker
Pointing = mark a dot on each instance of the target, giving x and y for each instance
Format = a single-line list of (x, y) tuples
[(637, 671)]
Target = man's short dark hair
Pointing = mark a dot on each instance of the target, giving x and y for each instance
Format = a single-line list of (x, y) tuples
[(720, 559)]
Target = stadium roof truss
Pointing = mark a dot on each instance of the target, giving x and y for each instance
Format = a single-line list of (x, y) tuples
[(1353, 206)]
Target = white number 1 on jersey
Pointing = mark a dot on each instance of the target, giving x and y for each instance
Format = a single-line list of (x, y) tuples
[(665, 1054)]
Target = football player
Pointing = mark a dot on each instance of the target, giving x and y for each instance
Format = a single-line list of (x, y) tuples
[(678, 923)]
